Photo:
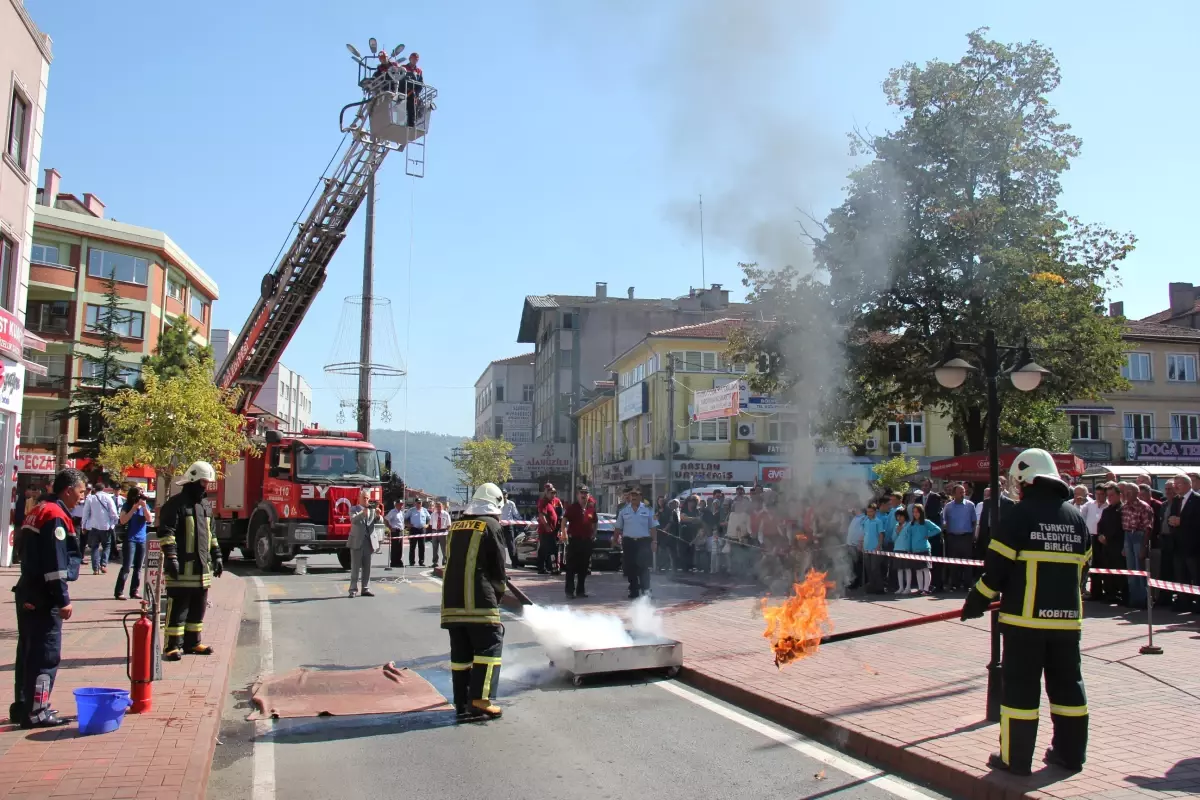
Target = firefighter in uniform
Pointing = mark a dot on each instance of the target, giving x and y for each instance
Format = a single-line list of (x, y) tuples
[(1035, 564), (472, 585), (43, 602), (191, 556)]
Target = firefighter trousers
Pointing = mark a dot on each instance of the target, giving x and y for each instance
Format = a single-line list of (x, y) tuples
[(39, 648), (1027, 654), (185, 616), (475, 661)]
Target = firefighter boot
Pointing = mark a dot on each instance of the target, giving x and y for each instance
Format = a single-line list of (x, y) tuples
[(460, 676), (485, 708)]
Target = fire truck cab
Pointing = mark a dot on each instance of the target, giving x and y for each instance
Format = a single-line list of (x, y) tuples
[(297, 495)]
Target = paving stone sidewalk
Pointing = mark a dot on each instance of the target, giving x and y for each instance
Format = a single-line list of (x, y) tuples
[(913, 700), (163, 754)]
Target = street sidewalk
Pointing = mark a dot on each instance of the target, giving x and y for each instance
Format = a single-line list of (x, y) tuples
[(164, 754), (913, 700)]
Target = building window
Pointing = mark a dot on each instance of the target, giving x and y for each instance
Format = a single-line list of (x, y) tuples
[(44, 254), (1137, 367), (8, 257), (782, 431), (716, 430), (198, 308), (127, 375), (646, 431), (568, 321), (910, 430), (119, 266), (39, 426), (1181, 367), (1185, 427), (1139, 427), (498, 427), (174, 289), (48, 316), (1085, 426), (17, 145), (128, 324), (56, 371), (499, 392), (527, 393)]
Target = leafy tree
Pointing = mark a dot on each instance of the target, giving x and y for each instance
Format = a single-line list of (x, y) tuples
[(951, 229), (176, 351), (107, 374), (172, 423), (483, 461), (890, 474)]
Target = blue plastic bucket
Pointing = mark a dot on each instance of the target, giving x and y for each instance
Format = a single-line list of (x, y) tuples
[(101, 710)]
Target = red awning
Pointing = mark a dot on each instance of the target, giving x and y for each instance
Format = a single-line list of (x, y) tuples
[(146, 473), (976, 466)]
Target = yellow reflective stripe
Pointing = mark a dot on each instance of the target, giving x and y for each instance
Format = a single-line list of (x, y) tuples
[(1058, 558), (459, 666), (1002, 549), (1018, 713), (469, 571), (1031, 571), (169, 539), (1069, 711), (487, 660), (194, 627), (985, 590), (189, 528), (1042, 624), (490, 616), (1088, 555), (174, 630), (487, 680)]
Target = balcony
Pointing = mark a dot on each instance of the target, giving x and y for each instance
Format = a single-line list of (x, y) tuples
[(46, 383), (617, 457)]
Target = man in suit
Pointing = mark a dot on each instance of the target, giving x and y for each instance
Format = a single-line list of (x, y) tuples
[(1184, 524)]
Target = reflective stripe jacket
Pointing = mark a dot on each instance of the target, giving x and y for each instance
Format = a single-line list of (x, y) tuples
[(473, 581), (1035, 562), (45, 557), (185, 533)]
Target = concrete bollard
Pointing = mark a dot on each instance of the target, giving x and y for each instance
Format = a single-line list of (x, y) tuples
[(301, 565)]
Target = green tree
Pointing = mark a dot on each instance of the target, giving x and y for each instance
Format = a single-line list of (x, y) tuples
[(952, 228), (483, 461), (105, 375), (176, 351), (172, 423), (890, 474)]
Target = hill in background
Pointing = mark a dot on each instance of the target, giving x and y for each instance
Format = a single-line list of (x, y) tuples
[(428, 468)]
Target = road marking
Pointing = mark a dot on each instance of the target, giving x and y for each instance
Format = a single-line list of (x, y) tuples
[(855, 769), (264, 744), (426, 587)]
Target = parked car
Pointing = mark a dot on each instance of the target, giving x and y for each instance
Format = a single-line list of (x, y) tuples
[(605, 555)]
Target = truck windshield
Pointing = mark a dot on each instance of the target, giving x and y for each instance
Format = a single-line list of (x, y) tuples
[(336, 463)]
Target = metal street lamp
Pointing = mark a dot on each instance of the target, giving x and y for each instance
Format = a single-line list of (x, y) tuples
[(1026, 375)]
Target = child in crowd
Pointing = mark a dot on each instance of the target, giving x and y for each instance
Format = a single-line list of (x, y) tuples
[(914, 538)]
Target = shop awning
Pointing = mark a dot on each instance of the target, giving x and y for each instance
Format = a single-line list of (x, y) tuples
[(977, 466), (146, 473)]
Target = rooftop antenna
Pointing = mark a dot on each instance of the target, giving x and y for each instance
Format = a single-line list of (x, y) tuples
[(703, 275)]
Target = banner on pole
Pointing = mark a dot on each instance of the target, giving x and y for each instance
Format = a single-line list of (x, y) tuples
[(716, 403)]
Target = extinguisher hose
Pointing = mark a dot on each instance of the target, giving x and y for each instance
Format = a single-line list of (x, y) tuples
[(129, 643)]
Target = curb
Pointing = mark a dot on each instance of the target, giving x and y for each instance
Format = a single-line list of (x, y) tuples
[(892, 757)]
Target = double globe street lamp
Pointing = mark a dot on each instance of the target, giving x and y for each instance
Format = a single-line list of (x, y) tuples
[(1026, 375)]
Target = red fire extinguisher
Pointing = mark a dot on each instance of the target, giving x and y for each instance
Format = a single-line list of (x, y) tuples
[(140, 661)]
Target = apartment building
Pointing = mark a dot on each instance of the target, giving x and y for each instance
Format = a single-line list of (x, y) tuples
[(75, 250), (504, 400), (285, 395), (25, 55)]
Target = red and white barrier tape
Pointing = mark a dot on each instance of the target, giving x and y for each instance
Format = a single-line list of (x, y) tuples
[(396, 536), (1131, 573), (1171, 586), (919, 557)]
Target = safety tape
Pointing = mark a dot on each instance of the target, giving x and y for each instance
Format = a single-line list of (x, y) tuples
[(919, 557), (1171, 586), (1132, 573), (419, 535)]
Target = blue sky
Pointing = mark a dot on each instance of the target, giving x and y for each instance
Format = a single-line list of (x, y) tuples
[(570, 144)]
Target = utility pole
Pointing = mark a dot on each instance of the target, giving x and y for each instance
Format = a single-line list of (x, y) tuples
[(364, 347), (670, 422)]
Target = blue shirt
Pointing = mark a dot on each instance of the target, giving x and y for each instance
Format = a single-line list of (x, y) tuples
[(874, 532), (856, 532), (635, 524), (135, 529), (959, 517), (914, 537), (889, 524), (418, 518)]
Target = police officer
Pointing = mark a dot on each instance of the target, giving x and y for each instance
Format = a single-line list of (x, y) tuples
[(635, 527), (472, 586), (1035, 564), (43, 602), (191, 556)]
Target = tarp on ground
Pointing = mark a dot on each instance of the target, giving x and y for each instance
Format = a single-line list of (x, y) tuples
[(344, 692)]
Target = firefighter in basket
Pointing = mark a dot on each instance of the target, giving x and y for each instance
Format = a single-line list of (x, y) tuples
[(472, 585), (1035, 564), (191, 557)]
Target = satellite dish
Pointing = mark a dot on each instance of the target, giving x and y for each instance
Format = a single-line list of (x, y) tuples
[(353, 51), (397, 50), (374, 45)]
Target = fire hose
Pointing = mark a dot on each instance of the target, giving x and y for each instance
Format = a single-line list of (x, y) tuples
[(944, 616)]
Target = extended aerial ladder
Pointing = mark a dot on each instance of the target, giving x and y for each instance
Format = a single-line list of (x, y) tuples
[(380, 124)]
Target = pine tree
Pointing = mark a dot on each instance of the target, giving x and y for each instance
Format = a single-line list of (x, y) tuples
[(104, 373), (175, 353)]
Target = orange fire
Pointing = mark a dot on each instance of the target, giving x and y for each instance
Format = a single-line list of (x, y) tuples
[(795, 627)]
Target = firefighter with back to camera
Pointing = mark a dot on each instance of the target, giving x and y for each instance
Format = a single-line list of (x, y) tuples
[(191, 557), (472, 587), (1035, 564)]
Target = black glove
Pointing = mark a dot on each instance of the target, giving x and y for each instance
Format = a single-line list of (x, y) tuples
[(172, 565), (217, 566), (975, 606)]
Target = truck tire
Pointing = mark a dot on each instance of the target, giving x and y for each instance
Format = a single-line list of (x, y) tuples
[(344, 557), (264, 550)]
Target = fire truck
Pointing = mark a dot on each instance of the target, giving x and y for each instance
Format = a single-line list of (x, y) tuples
[(296, 493)]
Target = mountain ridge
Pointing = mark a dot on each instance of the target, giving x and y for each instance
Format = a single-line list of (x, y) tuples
[(427, 468)]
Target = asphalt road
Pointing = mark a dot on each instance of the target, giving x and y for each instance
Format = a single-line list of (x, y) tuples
[(640, 737)]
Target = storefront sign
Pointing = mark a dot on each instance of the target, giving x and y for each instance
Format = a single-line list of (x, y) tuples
[(634, 401), (518, 417), (1166, 452), (716, 403), (715, 471), (12, 385), (533, 460), (772, 448), (775, 473), (34, 463), (12, 336), (518, 436)]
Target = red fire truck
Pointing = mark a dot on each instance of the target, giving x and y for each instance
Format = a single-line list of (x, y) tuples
[(296, 494)]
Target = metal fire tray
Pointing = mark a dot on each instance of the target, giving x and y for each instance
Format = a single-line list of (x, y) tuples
[(664, 654)]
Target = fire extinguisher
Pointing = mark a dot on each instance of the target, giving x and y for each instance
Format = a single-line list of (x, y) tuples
[(139, 663)]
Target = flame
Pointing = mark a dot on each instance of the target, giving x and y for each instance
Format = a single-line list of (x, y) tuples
[(795, 627)]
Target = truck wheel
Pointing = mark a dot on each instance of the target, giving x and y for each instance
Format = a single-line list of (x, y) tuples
[(264, 551), (344, 558)]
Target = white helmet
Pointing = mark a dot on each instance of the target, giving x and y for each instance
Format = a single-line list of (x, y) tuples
[(200, 471), (1032, 464), (486, 501)]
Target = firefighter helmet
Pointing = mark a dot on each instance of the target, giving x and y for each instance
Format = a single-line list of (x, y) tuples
[(1032, 464), (487, 501), (200, 471)]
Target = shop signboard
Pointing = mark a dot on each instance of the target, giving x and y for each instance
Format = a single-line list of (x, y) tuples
[(12, 336), (12, 386), (518, 417), (1165, 452), (718, 403), (697, 471), (31, 462), (633, 401), (532, 460), (775, 473)]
